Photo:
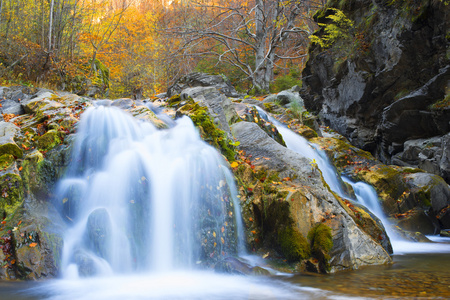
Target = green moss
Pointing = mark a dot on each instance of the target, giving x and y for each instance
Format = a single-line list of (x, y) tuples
[(321, 238), (174, 101), (441, 104), (11, 148), (11, 193), (293, 244), (209, 132), (49, 140), (321, 243), (6, 161)]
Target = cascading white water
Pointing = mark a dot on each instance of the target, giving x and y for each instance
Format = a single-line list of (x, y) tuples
[(141, 199), (365, 194), (300, 145), (145, 207)]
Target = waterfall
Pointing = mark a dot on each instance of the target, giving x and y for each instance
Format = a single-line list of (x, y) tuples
[(365, 194), (139, 199), (300, 145)]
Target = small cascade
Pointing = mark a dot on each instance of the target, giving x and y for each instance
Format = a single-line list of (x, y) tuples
[(300, 145), (139, 199), (365, 194)]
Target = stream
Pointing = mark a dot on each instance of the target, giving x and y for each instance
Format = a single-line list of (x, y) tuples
[(137, 199)]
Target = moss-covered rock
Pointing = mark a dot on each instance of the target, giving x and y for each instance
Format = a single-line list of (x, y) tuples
[(11, 193), (293, 244), (6, 161), (35, 248), (321, 241), (8, 132), (208, 130), (146, 114), (49, 140)]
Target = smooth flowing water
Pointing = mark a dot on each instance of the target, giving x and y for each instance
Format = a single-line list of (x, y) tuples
[(140, 199), (365, 194), (150, 211)]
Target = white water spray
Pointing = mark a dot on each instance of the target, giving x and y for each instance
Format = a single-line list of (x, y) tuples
[(142, 199)]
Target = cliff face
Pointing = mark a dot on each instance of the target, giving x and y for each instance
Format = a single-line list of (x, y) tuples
[(384, 83)]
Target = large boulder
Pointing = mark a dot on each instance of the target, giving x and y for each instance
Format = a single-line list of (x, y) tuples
[(384, 82), (431, 155), (304, 201), (205, 80)]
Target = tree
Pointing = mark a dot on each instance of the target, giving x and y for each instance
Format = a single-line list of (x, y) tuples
[(251, 36)]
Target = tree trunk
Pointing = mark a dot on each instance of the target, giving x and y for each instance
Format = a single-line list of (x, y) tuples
[(261, 35), (50, 26)]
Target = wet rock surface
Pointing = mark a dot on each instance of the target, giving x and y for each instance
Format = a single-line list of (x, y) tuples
[(386, 83)]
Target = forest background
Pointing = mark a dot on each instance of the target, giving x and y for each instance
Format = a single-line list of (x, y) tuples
[(135, 48)]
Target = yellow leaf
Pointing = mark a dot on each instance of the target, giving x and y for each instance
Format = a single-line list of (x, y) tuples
[(214, 234), (234, 164), (65, 200), (222, 240)]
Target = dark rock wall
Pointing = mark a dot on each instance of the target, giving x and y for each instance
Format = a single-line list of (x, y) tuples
[(377, 85)]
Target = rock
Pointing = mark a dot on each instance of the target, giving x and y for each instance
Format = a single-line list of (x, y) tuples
[(288, 97), (270, 98), (275, 206), (383, 93), (11, 193), (124, 103), (220, 108), (251, 114), (98, 232), (11, 107), (445, 233), (431, 155), (417, 221), (204, 80), (49, 140), (161, 95), (144, 113), (231, 265), (12, 97), (8, 132), (6, 161)]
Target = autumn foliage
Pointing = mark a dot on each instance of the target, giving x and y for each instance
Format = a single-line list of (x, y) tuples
[(127, 48)]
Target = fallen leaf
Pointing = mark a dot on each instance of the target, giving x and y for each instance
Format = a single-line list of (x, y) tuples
[(32, 245), (234, 164)]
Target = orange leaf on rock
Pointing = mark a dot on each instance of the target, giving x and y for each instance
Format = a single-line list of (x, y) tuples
[(32, 245)]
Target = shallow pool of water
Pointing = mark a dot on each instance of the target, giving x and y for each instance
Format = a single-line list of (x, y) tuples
[(411, 276)]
